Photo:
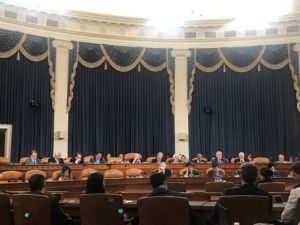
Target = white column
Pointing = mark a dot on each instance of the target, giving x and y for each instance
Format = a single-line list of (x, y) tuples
[(181, 101), (296, 48), (61, 93)]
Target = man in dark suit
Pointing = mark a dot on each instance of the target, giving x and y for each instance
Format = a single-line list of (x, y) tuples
[(159, 158), (97, 159), (77, 159), (37, 186), (249, 176), (159, 188), (33, 160), (241, 158), (56, 159), (164, 170), (219, 158)]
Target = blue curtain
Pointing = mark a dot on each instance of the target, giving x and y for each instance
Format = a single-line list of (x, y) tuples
[(254, 112), (20, 83), (116, 112)]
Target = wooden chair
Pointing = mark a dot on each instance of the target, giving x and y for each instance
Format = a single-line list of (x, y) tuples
[(114, 160), (129, 156), (44, 160), (31, 209), (22, 160), (113, 174), (11, 176), (67, 160), (176, 186), (56, 175), (153, 210), (169, 159), (4, 161), (5, 209), (134, 173), (86, 172), (218, 186), (238, 208), (149, 159), (272, 186), (261, 160), (101, 209), (87, 159), (29, 173)]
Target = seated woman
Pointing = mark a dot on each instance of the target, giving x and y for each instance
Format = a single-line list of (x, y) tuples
[(271, 166), (265, 175), (190, 171), (66, 174)]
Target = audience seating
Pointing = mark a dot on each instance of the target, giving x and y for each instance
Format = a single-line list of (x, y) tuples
[(239, 206), (56, 175), (176, 186), (218, 186), (114, 160), (153, 211), (22, 160), (86, 172), (113, 173), (29, 173), (5, 209), (11, 176), (44, 160), (4, 161), (67, 160), (272, 186), (149, 159), (31, 209), (261, 160), (92, 213), (134, 173)]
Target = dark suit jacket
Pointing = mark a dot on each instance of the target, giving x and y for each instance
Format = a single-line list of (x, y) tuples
[(52, 160), (155, 160), (239, 161), (223, 160), (57, 214), (167, 172), (29, 161), (73, 161), (101, 160), (264, 181)]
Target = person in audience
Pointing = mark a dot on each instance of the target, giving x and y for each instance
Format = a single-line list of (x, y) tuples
[(56, 159), (37, 186), (159, 188), (190, 171), (77, 159), (265, 175), (176, 159), (199, 159), (241, 158), (250, 158), (281, 159), (184, 159), (215, 171), (95, 184), (289, 214), (159, 158), (66, 174), (271, 166), (164, 170), (97, 159), (248, 187), (33, 160), (137, 159), (219, 158)]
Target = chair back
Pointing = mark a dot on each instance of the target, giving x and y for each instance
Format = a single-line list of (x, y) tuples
[(153, 210), (67, 160), (44, 160), (87, 159), (113, 173), (169, 159), (272, 186), (129, 155), (149, 159), (5, 209), (114, 160), (86, 172), (11, 176), (176, 186), (56, 175), (30, 209), (134, 173), (29, 173), (261, 160), (4, 161), (239, 206), (22, 160), (218, 186), (92, 209)]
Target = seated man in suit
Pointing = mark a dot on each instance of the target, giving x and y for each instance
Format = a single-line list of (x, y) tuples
[(289, 213), (219, 158), (199, 159), (137, 159), (215, 171), (159, 158), (176, 159), (37, 186), (159, 188), (97, 159), (164, 170), (33, 160), (241, 158), (281, 159), (248, 187), (77, 159), (56, 159), (190, 171)]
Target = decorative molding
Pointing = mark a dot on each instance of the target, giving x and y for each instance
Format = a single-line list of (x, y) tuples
[(62, 44)]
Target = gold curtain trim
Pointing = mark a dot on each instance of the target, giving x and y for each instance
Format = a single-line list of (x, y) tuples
[(172, 84), (33, 57), (72, 80), (52, 77), (242, 69), (12, 51), (91, 65), (295, 79), (274, 66), (122, 68), (154, 68), (192, 88), (209, 69)]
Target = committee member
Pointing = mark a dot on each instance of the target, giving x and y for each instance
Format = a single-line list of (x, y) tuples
[(164, 170), (159, 158), (33, 160), (199, 159), (190, 171), (56, 159), (219, 158), (77, 159), (97, 158), (241, 158), (176, 159)]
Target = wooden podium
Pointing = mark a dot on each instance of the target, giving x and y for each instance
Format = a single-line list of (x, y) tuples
[(5, 140)]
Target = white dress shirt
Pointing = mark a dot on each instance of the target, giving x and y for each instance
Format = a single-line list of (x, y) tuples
[(289, 213)]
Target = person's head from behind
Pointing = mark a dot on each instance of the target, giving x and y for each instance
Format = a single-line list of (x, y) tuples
[(95, 184), (33, 154), (295, 171), (159, 156), (66, 171), (249, 173), (265, 173), (219, 155), (157, 180), (37, 183)]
